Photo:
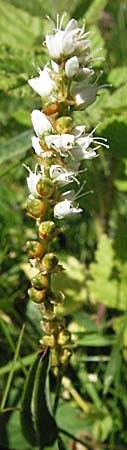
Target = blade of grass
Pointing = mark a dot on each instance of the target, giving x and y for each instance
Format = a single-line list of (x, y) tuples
[(9, 380), (11, 343), (26, 360)]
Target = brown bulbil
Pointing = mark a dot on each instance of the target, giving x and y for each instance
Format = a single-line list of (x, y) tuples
[(52, 108), (48, 341), (64, 337), (36, 208), (63, 124), (45, 188), (38, 296), (65, 356), (47, 229), (49, 261), (40, 282), (34, 249)]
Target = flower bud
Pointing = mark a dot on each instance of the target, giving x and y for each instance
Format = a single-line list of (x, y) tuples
[(47, 229), (72, 67), (40, 281), (48, 341), (63, 124), (52, 108), (47, 310), (48, 326), (34, 249), (65, 356), (49, 261), (45, 187), (64, 337), (54, 358), (57, 298), (53, 326), (36, 207), (38, 296)]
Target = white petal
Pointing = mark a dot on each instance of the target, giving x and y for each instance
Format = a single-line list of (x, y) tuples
[(36, 145), (65, 208), (69, 43), (59, 141), (61, 174), (86, 96), (43, 84), (54, 44), (72, 67), (85, 141), (32, 181), (40, 122), (79, 130), (68, 195), (71, 25), (55, 66)]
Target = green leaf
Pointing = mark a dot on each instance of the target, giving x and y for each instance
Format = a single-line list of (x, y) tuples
[(115, 130), (72, 282), (93, 340), (15, 147), (103, 287), (20, 26), (104, 258), (26, 412), (45, 424), (112, 367)]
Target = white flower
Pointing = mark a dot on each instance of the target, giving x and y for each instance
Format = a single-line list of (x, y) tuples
[(40, 123), (43, 85), (66, 42), (32, 181), (61, 174), (65, 208), (72, 67), (60, 141), (84, 96), (80, 149)]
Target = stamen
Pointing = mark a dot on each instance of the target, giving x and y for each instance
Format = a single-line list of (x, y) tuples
[(102, 143), (99, 137), (98, 77), (57, 21), (95, 129), (105, 85), (78, 192), (62, 18), (26, 167), (85, 193), (51, 21)]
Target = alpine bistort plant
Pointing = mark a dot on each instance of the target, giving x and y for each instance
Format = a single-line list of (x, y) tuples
[(64, 85)]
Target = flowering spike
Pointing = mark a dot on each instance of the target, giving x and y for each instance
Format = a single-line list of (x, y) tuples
[(64, 85)]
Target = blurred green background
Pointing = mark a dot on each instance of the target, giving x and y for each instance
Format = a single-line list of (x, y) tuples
[(93, 247)]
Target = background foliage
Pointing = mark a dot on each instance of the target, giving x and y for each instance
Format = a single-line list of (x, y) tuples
[(93, 247)]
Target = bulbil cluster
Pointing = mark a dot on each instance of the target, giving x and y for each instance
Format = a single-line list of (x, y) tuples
[(64, 85)]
